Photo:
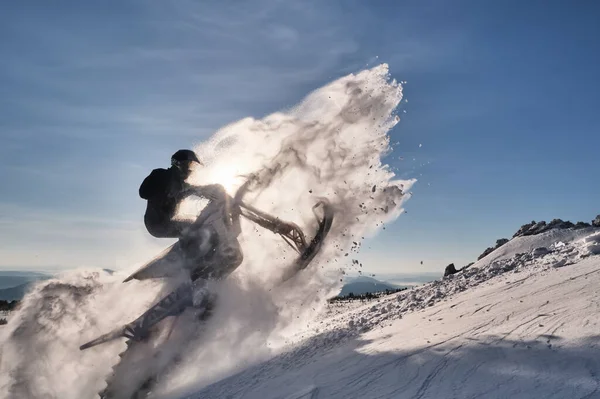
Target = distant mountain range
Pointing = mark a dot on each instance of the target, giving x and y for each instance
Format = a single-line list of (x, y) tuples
[(409, 279), (14, 284), (362, 285), (14, 293)]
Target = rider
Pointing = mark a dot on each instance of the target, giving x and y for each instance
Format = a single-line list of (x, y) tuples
[(164, 189)]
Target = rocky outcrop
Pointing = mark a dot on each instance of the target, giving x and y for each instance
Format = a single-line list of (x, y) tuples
[(530, 229), (450, 269), (489, 250), (534, 227)]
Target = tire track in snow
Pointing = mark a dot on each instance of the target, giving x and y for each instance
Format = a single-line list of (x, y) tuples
[(442, 364)]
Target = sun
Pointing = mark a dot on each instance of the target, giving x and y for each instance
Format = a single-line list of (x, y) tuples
[(228, 176)]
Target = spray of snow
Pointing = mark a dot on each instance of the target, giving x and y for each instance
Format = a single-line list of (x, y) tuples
[(40, 355), (331, 146)]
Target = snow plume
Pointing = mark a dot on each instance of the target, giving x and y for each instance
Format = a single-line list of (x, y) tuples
[(330, 146), (40, 357)]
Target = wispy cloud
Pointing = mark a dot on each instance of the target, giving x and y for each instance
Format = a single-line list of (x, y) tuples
[(91, 95), (207, 61)]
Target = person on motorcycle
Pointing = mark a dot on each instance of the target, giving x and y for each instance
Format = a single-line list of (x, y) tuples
[(164, 189)]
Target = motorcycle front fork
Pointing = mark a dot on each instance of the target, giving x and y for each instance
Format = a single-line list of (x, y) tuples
[(196, 295)]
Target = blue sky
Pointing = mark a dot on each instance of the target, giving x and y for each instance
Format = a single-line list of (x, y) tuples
[(501, 95)]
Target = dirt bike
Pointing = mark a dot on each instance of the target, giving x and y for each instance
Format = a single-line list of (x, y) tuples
[(208, 252)]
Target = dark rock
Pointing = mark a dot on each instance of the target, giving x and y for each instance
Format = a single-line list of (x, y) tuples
[(537, 228), (524, 229), (582, 225), (540, 251), (500, 242), (534, 227), (485, 253), (450, 269)]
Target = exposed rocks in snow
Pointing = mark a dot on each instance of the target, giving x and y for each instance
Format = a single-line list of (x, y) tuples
[(538, 259), (539, 252), (489, 250), (596, 222), (450, 269), (526, 229), (534, 227)]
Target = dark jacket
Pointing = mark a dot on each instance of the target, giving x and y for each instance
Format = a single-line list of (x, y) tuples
[(164, 189)]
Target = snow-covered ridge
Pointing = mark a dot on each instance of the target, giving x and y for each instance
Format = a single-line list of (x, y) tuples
[(541, 226), (527, 255), (536, 228), (545, 269), (528, 243)]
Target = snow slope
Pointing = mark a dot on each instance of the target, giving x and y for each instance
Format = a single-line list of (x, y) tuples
[(520, 325)]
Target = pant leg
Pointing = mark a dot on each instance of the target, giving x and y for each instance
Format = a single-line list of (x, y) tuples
[(167, 229)]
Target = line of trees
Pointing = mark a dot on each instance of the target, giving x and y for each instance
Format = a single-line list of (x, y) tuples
[(8, 306), (369, 296)]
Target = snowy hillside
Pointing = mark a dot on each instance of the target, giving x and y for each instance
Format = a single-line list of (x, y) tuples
[(521, 323)]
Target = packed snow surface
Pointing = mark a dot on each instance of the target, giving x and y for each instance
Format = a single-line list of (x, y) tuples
[(522, 323)]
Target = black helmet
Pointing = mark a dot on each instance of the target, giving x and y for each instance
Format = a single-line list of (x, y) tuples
[(184, 156)]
